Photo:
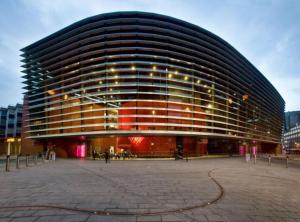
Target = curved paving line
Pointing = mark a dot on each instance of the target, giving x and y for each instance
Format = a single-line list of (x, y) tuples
[(112, 213)]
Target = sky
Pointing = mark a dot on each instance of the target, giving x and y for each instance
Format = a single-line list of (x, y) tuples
[(266, 32)]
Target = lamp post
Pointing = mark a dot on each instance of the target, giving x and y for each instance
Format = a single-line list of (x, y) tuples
[(19, 147), (9, 140), (18, 153)]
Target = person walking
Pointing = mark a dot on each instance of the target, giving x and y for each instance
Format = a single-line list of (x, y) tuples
[(106, 156), (53, 155), (47, 154), (94, 153)]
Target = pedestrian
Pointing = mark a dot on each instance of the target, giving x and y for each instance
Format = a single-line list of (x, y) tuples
[(47, 153), (53, 155), (106, 156), (94, 153), (50, 155)]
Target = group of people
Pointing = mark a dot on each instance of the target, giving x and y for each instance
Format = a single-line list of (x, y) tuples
[(50, 154), (106, 155)]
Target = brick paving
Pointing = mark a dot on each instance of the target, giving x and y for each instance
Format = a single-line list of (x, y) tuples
[(150, 190)]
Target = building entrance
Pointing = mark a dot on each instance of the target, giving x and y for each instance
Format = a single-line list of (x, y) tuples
[(179, 147)]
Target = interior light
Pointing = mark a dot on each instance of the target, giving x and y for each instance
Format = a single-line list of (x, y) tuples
[(186, 78), (154, 67), (132, 67), (151, 74), (112, 69), (245, 97), (50, 92), (170, 75)]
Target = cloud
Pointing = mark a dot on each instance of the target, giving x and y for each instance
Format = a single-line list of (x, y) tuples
[(265, 32)]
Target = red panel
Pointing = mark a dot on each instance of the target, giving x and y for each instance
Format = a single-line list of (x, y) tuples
[(148, 146)]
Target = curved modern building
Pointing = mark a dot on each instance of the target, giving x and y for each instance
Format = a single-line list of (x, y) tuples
[(148, 84)]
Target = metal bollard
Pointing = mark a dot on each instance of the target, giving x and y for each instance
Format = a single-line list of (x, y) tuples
[(43, 158), (7, 163), (35, 159), (254, 158), (18, 162), (269, 160), (27, 161), (287, 161)]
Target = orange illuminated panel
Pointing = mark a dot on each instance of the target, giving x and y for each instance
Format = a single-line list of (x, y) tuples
[(50, 92)]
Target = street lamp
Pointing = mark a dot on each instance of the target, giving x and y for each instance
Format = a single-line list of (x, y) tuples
[(9, 140), (19, 141)]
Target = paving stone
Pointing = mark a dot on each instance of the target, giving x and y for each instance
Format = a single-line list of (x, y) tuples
[(5, 213), (24, 219), (214, 217), (75, 218), (23, 213), (95, 218), (171, 218), (149, 219), (50, 219), (252, 192)]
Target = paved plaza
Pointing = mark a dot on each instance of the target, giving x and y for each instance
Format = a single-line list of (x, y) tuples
[(220, 189)]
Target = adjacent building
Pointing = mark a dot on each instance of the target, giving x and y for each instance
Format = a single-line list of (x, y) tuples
[(291, 136), (292, 119), (291, 139), (148, 84), (10, 125)]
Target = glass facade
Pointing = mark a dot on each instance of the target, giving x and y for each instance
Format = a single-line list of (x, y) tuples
[(291, 140), (10, 121), (131, 74)]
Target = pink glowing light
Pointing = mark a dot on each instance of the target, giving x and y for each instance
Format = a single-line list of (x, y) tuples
[(80, 150), (254, 150), (242, 150)]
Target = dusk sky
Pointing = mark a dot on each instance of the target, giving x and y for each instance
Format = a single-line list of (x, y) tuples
[(267, 33)]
